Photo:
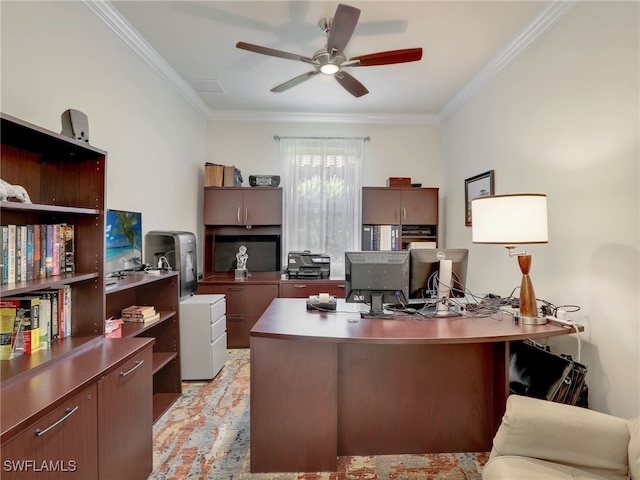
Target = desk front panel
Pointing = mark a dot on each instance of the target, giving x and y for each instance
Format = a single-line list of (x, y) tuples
[(395, 399)]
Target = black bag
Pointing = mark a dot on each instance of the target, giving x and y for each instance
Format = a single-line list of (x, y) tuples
[(534, 371)]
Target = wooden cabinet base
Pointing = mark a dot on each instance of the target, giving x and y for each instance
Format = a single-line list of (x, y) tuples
[(61, 445)]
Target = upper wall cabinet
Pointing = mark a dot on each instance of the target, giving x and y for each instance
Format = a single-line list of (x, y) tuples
[(399, 206), (237, 206)]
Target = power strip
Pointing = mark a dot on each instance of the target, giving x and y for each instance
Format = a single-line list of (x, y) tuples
[(568, 323)]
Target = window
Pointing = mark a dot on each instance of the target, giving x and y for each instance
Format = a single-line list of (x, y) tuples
[(322, 196)]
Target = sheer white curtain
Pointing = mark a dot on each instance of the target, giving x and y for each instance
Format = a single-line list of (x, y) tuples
[(322, 196)]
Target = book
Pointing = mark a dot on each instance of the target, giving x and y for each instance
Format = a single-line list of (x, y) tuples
[(18, 254), (23, 250), (7, 322), (55, 253), (48, 259), (37, 251), (138, 311), (11, 253), (43, 251), (46, 314), (67, 248), (28, 314), (4, 232), (64, 311), (135, 319), (30, 246)]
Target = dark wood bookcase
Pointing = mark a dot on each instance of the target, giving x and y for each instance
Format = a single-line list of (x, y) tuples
[(65, 180), (162, 291), (85, 401)]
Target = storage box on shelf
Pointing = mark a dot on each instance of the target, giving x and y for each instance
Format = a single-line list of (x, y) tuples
[(162, 292)]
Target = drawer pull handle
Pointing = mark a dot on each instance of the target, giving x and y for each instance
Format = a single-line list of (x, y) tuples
[(137, 364), (235, 289), (235, 318), (342, 285), (299, 286), (68, 413)]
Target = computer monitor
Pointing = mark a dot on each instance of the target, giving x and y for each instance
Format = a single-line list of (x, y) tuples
[(375, 278), (438, 272), (123, 232)]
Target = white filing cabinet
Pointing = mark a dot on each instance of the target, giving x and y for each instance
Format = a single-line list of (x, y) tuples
[(203, 336)]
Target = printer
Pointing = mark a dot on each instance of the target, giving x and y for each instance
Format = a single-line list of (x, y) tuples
[(308, 265)]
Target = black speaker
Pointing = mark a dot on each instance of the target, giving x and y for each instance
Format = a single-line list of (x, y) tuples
[(75, 125)]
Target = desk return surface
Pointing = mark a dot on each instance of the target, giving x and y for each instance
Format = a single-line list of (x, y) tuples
[(325, 385)]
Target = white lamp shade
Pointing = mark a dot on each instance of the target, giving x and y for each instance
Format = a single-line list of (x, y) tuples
[(510, 219)]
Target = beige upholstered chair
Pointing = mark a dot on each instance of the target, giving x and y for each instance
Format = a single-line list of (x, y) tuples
[(542, 440)]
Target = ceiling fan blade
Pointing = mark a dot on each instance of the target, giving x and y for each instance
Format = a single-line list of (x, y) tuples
[(342, 26), (272, 52), (295, 81), (350, 84), (387, 58)]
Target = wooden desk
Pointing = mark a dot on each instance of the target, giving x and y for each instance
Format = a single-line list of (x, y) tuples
[(327, 385)]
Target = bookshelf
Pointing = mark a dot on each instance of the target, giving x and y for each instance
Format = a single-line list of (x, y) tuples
[(65, 403), (45, 163), (162, 292), (408, 214)]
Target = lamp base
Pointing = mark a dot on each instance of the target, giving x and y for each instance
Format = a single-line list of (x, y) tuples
[(532, 320)]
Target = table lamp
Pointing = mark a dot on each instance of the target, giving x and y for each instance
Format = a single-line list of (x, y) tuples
[(512, 220)]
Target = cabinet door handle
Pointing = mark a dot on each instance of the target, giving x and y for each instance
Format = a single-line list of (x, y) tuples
[(238, 214), (235, 318), (235, 289), (342, 285), (137, 364), (246, 215), (404, 213), (68, 413)]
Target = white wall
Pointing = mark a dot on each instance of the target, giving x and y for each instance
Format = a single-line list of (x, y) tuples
[(58, 55), (563, 119), (394, 150)]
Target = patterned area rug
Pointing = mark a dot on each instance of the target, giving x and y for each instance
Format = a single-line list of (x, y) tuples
[(205, 435)]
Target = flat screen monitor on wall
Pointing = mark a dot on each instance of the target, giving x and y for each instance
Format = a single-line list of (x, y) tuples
[(376, 278), (123, 241), (425, 280)]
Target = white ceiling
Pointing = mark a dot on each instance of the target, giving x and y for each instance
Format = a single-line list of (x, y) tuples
[(192, 44)]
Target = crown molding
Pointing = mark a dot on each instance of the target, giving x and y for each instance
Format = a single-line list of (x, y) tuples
[(112, 18), (299, 117), (548, 17)]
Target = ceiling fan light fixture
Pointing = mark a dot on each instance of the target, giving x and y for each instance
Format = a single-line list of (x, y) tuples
[(329, 68)]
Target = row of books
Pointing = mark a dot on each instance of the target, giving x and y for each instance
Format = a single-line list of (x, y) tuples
[(31, 322), (380, 237), (31, 252)]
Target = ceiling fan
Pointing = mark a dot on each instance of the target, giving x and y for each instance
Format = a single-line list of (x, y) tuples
[(331, 60)]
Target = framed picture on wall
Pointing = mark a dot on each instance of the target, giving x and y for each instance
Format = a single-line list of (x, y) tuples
[(474, 187)]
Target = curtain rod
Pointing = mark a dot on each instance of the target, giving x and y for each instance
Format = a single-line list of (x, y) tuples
[(366, 139)]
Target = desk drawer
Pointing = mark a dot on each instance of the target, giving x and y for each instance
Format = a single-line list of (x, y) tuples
[(303, 288)]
